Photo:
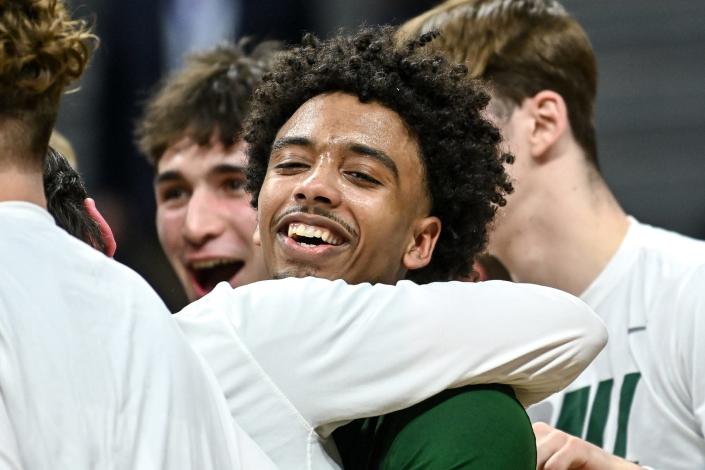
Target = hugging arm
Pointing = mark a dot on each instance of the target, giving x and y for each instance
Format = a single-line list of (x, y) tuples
[(340, 352)]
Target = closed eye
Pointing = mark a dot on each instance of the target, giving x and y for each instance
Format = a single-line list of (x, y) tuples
[(290, 167), (363, 177)]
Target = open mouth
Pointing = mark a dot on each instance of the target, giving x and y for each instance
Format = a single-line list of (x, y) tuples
[(312, 235), (208, 274)]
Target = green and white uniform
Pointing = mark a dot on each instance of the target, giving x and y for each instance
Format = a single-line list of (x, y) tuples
[(644, 396), (297, 365)]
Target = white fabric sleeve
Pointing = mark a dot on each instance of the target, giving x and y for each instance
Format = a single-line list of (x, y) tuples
[(691, 326), (339, 352), (9, 453)]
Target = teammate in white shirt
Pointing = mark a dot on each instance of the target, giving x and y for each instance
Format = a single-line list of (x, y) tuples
[(94, 372), (334, 353), (644, 396)]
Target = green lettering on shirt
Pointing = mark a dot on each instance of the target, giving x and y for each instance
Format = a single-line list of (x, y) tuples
[(598, 415), (573, 411), (626, 397)]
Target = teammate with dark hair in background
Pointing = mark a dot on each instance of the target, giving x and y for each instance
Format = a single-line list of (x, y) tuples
[(72, 209), (191, 134)]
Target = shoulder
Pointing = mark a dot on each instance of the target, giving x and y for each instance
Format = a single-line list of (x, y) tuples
[(668, 247), (667, 272), (470, 427)]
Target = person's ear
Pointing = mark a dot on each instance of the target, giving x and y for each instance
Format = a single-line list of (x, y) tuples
[(420, 250), (550, 122), (256, 239), (105, 231)]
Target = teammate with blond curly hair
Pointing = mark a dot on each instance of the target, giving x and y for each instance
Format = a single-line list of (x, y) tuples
[(93, 371)]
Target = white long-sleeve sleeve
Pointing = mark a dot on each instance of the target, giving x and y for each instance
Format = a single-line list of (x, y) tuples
[(339, 352), (9, 454)]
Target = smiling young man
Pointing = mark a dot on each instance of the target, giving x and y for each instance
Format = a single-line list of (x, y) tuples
[(356, 181), (643, 399), (357, 185), (191, 135)]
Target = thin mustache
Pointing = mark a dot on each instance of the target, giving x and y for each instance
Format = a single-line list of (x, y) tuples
[(316, 211)]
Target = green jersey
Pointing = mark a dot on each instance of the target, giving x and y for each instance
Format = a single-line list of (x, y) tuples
[(474, 427)]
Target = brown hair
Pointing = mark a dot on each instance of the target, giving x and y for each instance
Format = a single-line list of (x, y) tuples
[(42, 51), (520, 47), (211, 94)]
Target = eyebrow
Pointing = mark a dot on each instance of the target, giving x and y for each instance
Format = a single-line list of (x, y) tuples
[(287, 141), (378, 155), (357, 148), (220, 169)]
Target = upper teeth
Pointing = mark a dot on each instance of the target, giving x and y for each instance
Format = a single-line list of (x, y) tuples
[(310, 231), (212, 263)]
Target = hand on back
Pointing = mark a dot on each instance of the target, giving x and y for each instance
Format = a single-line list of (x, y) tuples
[(557, 450)]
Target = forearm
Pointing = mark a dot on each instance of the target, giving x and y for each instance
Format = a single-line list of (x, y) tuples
[(373, 349)]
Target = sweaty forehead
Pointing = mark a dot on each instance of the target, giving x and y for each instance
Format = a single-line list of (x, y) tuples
[(187, 156), (336, 116)]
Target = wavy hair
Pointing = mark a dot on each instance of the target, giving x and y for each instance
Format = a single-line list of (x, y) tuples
[(42, 51)]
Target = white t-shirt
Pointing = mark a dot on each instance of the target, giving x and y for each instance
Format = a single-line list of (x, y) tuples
[(94, 373), (297, 358), (644, 396)]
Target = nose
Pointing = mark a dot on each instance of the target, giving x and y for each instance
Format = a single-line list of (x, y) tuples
[(202, 222), (321, 187)]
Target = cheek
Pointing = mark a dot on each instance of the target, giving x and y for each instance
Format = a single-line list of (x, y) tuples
[(243, 220), (169, 230), (272, 194), (382, 220)]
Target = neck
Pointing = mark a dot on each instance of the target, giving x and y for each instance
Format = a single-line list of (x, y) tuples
[(22, 185), (565, 229)]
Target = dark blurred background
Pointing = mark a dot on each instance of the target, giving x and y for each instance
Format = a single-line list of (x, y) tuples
[(650, 112)]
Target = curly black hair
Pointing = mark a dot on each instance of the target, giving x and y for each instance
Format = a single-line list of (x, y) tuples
[(440, 105), (65, 195)]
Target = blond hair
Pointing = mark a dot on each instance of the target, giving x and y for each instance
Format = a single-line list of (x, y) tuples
[(520, 47), (42, 51)]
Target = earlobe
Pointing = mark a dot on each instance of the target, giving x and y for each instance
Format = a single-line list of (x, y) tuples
[(550, 116), (256, 239), (420, 250)]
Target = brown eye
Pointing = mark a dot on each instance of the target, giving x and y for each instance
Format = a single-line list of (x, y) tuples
[(173, 193), (234, 185)]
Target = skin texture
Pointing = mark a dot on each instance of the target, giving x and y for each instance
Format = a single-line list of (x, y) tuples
[(105, 231), (560, 229), (562, 225), (204, 215), (560, 451), (322, 173)]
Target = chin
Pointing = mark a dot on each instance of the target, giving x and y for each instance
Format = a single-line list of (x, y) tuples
[(296, 272)]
